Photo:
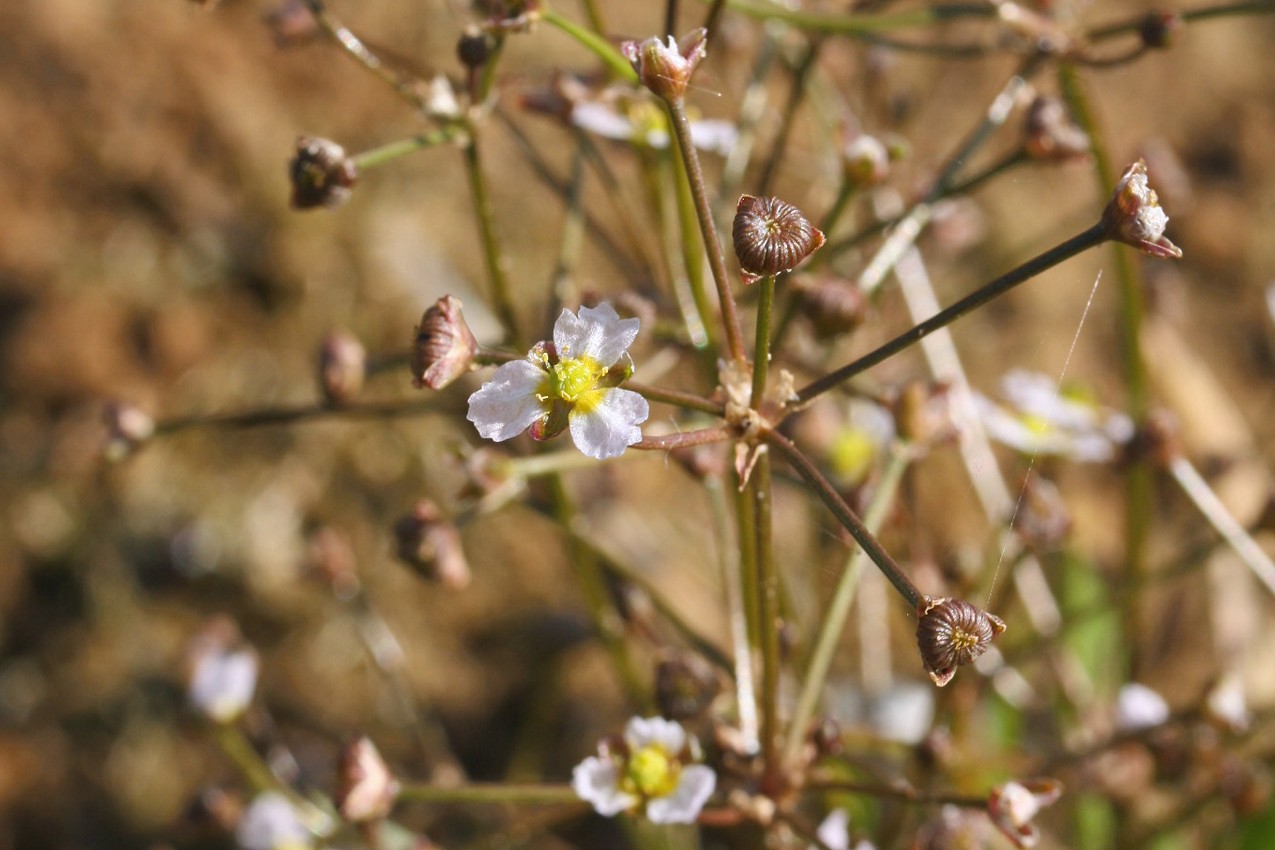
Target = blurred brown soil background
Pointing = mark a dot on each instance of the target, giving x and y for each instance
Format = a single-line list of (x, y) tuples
[(147, 252)]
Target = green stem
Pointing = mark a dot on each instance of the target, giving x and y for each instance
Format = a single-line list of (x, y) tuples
[(248, 761), (768, 614), (692, 256), (1133, 24), (415, 792), (593, 42), (761, 351), (847, 517), (491, 246), (834, 619), (745, 693), (359, 52), (796, 92), (713, 245), (843, 24), (1087, 239), (383, 154), (685, 439)]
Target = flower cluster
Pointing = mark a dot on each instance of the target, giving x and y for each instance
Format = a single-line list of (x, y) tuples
[(568, 383), (1044, 420), (647, 772)]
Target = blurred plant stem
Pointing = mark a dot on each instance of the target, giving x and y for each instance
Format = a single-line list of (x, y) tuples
[(492, 256), (834, 618), (393, 150), (762, 493), (540, 794), (1082, 241), (594, 42)]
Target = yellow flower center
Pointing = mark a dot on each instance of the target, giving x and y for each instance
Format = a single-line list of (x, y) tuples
[(572, 377), (651, 772)]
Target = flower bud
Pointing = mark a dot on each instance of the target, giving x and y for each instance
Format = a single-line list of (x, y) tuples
[(1134, 217), (833, 306), (342, 367), (431, 546), (771, 236), (445, 346), (322, 175), (666, 67), (291, 23), (952, 633), (866, 160), (1050, 132), (127, 427), (685, 686), (474, 48), (365, 788)]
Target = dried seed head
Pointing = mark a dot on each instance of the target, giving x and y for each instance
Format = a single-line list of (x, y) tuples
[(322, 175), (833, 305), (431, 546), (665, 67), (1157, 28), (474, 48), (771, 236), (952, 633), (365, 788), (445, 346), (685, 686), (1134, 217), (342, 367), (1051, 134)]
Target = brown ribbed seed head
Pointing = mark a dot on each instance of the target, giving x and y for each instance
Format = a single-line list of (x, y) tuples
[(952, 633), (771, 236)]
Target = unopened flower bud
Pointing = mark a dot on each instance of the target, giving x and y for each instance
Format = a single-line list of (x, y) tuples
[(922, 413), (1012, 807), (291, 23), (431, 546), (771, 236), (127, 427), (952, 633), (685, 685), (365, 788), (866, 160), (1134, 217), (1051, 133), (665, 67), (445, 346), (1158, 28), (342, 367), (322, 175), (833, 305), (474, 48)]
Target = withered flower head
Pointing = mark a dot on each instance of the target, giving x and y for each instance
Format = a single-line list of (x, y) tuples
[(430, 544), (952, 633), (685, 685), (833, 305), (365, 788), (1051, 134), (445, 346), (342, 367), (665, 67), (771, 236), (1134, 217), (322, 175)]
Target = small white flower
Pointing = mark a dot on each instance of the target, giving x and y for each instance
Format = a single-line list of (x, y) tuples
[(650, 774), (1226, 702), (1012, 807), (1045, 420), (643, 125), (222, 682), (567, 386), (272, 823), (1139, 707)]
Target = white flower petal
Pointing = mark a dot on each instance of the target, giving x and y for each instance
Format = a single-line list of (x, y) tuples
[(602, 119), (271, 823), (222, 683), (605, 422), (694, 787), (597, 332), (1139, 707), (507, 405), (645, 731), (597, 782), (834, 831)]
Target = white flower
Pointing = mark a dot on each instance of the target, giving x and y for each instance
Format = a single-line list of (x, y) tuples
[(222, 682), (1045, 420), (567, 385), (644, 125), (1139, 707), (272, 823), (834, 832), (1012, 807), (650, 773)]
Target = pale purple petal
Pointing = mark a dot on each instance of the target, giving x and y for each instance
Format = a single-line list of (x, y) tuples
[(602, 119), (271, 822), (222, 683), (645, 731), (694, 787), (597, 782), (834, 830), (597, 332), (1139, 707), (605, 422), (507, 405)]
